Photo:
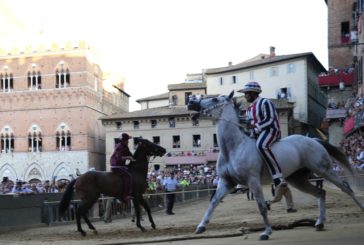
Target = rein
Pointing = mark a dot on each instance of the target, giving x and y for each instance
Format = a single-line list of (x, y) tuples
[(234, 123), (220, 112)]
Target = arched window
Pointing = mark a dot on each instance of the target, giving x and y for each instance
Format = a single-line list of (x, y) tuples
[(63, 138), (6, 140), (6, 80), (34, 78), (63, 78), (34, 139)]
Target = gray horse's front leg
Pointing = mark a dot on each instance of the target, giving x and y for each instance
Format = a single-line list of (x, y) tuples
[(221, 191), (256, 189)]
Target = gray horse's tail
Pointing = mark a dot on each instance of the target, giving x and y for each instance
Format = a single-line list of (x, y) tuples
[(336, 153), (66, 198)]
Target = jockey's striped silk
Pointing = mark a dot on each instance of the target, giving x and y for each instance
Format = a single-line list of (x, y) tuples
[(263, 115)]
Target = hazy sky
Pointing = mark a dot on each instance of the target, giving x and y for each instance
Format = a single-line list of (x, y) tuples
[(154, 43)]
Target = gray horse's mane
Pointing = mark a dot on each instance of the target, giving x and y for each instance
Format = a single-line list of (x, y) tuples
[(237, 105)]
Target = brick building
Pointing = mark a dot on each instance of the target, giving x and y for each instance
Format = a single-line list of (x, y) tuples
[(341, 81), (50, 101)]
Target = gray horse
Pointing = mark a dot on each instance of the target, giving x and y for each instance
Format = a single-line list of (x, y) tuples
[(239, 161)]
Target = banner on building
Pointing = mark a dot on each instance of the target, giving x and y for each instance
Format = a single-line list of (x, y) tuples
[(349, 125)]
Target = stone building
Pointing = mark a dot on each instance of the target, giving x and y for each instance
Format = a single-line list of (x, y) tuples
[(50, 101), (291, 77), (187, 142), (355, 117), (340, 82)]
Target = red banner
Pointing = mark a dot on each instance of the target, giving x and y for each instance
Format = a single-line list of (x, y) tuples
[(348, 125)]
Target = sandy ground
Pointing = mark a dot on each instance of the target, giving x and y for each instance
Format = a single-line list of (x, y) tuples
[(345, 224)]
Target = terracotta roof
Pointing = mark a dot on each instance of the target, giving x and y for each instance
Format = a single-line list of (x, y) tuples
[(183, 86), (155, 97), (167, 111), (164, 111), (247, 64)]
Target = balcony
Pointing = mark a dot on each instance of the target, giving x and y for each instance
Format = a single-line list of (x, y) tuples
[(335, 79), (335, 113), (176, 160), (191, 159)]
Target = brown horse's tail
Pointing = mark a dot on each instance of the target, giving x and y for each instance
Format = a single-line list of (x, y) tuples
[(337, 154), (66, 198)]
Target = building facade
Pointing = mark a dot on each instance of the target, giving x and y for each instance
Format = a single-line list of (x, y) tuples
[(50, 102), (187, 142), (291, 77), (339, 83)]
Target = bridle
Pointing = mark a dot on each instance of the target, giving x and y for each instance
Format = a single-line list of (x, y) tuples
[(220, 106)]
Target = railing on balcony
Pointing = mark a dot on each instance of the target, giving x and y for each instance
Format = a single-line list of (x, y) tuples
[(335, 113), (193, 159), (334, 79)]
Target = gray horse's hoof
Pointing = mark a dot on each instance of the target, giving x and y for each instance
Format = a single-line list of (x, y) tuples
[(263, 237), (319, 227), (200, 230)]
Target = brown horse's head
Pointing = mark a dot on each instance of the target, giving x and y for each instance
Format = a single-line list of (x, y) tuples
[(150, 148)]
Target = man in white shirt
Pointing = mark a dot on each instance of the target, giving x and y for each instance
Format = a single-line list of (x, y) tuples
[(170, 184)]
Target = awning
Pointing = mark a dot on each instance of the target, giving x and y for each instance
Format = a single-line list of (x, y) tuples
[(175, 160), (211, 156)]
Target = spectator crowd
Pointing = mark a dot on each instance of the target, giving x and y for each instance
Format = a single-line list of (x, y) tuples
[(186, 175), (20, 187), (353, 147)]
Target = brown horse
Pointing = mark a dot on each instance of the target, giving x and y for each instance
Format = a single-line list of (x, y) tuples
[(91, 184)]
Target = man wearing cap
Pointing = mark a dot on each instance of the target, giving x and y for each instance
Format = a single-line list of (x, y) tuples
[(5, 186), (117, 164), (264, 123)]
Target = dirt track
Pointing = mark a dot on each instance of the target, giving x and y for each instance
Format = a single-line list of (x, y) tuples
[(344, 221)]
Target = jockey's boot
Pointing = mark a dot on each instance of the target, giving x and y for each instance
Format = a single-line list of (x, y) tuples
[(278, 181)]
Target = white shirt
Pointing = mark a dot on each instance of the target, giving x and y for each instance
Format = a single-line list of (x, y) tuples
[(170, 184)]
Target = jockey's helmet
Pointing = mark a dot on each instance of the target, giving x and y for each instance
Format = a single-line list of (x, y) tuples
[(251, 87)]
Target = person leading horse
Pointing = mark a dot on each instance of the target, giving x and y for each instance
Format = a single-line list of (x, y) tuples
[(264, 124)]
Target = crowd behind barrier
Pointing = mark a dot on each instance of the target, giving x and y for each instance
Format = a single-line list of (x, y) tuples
[(354, 104), (186, 175), (336, 71), (353, 147), (8, 187)]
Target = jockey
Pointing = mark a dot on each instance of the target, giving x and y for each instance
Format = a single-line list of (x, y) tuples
[(117, 164), (264, 123)]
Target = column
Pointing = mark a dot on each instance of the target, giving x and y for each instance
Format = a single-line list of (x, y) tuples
[(64, 79), (37, 144), (36, 82), (8, 82), (65, 142)]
